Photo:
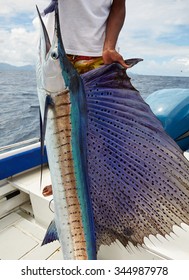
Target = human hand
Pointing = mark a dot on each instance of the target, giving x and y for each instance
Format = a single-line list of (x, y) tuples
[(110, 56)]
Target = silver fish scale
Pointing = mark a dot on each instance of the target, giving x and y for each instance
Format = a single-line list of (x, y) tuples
[(138, 174)]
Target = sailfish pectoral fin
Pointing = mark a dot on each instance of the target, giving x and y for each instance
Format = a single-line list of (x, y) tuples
[(43, 124), (43, 121)]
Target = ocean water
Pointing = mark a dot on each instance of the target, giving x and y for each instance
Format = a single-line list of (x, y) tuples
[(19, 111)]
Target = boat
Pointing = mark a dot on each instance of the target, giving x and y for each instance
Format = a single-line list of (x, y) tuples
[(171, 107), (25, 213)]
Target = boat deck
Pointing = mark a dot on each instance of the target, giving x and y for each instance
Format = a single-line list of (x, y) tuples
[(21, 239), (23, 227)]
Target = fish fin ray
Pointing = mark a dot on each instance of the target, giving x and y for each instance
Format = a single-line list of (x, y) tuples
[(51, 234), (138, 174)]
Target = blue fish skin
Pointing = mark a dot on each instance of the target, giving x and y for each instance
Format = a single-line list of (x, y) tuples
[(79, 127), (138, 175)]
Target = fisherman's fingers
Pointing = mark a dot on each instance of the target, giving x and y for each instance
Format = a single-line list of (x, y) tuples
[(110, 56)]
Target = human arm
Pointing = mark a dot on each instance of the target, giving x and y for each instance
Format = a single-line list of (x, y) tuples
[(114, 24)]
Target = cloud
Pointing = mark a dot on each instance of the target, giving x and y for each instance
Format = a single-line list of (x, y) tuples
[(18, 46), (10, 8), (148, 22), (19, 31), (155, 30)]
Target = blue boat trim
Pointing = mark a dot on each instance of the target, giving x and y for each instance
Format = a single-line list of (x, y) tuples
[(20, 162)]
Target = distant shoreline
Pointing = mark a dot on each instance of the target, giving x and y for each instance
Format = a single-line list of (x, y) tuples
[(9, 67)]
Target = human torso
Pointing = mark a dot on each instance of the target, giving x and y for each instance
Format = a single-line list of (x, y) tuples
[(83, 24)]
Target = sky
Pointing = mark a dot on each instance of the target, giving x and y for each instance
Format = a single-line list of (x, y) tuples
[(155, 30)]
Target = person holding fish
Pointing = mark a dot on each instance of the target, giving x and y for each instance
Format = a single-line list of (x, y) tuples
[(116, 174), (90, 30)]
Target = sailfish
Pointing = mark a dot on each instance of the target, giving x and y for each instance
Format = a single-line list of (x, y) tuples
[(116, 174)]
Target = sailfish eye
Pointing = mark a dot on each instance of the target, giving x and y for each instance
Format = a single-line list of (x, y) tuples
[(54, 54)]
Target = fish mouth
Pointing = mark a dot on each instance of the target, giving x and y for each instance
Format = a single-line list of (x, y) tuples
[(49, 72)]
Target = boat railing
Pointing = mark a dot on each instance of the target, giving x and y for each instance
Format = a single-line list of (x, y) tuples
[(19, 144), (20, 157)]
